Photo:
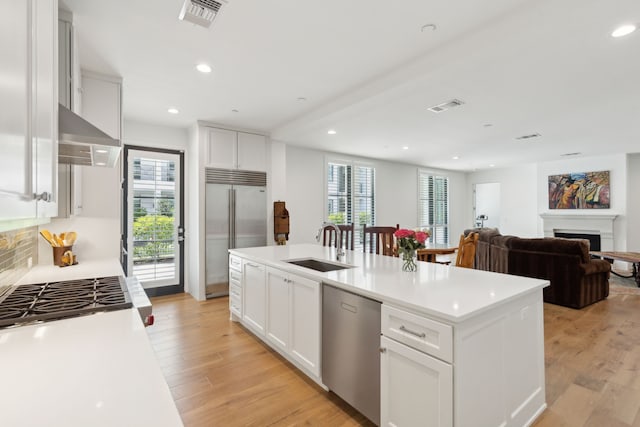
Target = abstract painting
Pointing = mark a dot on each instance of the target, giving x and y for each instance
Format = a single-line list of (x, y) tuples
[(585, 190)]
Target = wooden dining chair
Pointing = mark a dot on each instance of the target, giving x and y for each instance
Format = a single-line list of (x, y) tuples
[(379, 240), (467, 250), (345, 240)]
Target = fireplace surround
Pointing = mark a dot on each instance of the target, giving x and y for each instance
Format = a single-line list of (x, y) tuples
[(599, 225)]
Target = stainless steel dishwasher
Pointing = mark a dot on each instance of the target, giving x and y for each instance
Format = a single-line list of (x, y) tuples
[(351, 349)]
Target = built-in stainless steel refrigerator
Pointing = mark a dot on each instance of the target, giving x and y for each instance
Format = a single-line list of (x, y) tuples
[(236, 217)]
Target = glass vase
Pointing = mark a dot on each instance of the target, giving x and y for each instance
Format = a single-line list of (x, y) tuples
[(408, 259)]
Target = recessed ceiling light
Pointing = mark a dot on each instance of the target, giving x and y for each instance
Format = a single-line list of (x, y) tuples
[(302, 98), (405, 148), (173, 111), (203, 68), (570, 154), (487, 125), (456, 157), (101, 151), (235, 111), (331, 132), (623, 30), (492, 165)]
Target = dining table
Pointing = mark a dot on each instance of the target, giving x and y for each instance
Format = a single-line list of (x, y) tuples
[(432, 250)]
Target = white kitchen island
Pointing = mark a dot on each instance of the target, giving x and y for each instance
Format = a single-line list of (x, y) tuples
[(459, 347)]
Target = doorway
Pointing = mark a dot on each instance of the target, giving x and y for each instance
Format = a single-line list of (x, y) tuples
[(486, 205), (153, 213)]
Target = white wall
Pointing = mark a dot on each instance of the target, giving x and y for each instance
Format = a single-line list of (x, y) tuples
[(616, 165), (524, 192), (396, 192), (98, 226), (518, 198), (633, 202), (156, 136)]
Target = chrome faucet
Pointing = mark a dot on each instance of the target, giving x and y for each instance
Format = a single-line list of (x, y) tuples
[(339, 249)]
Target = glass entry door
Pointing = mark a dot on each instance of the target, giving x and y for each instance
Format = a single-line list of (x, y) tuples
[(153, 247)]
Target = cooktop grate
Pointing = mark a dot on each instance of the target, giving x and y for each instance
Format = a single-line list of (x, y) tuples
[(60, 300)]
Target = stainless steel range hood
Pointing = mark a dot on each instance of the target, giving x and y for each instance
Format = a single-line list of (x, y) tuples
[(81, 143)]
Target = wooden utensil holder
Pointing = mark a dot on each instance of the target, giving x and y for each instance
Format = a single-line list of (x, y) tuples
[(58, 253)]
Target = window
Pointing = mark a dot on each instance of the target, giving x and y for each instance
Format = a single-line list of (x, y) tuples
[(433, 195), (351, 195)]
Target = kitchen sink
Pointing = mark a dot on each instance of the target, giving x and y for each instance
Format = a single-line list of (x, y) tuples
[(318, 265)]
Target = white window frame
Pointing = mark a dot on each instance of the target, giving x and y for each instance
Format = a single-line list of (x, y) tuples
[(351, 192), (435, 228)]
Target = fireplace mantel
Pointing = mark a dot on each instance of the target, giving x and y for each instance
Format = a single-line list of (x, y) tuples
[(585, 223)]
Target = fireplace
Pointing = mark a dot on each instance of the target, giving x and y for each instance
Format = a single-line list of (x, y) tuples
[(590, 227), (594, 239)]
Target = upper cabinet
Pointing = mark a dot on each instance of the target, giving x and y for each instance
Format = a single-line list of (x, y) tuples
[(28, 124), (236, 150), (68, 63), (102, 102)]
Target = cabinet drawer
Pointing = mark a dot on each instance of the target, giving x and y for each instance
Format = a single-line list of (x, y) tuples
[(235, 277), (235, 291), (235, 263), (418, 332), (235, 306)]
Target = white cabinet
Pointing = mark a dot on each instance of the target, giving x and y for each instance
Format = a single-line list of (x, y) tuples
[(68, 64), (415, 388), (254, 293), (252, 152), (293, 317), (235, 287), (305, 323), (69, 190), (28, 124), (278, 308), (229, 149), (102, 102)]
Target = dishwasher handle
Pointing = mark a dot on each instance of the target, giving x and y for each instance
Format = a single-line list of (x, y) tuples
[(348, 307)]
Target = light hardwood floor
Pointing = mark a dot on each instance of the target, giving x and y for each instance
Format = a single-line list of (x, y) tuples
[(221, 375)]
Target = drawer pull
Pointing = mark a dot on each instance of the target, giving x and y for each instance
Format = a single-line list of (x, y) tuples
[(253, 265), (409, 331)]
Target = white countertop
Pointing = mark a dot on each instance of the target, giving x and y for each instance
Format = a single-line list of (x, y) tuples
[(96, 370), (448, 292), (83, 270), (93, 370)]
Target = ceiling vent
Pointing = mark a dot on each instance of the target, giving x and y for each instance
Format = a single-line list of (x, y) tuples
[(533, 135), (445, 106), (200, 12)]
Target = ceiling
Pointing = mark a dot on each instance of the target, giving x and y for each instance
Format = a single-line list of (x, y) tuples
[(369, 69)]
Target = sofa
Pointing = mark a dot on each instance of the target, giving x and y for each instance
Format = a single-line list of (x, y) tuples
[(576, 280)]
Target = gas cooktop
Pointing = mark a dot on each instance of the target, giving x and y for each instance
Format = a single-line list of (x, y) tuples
[(60, 300)]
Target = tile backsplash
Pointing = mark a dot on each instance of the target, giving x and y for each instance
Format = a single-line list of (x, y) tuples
[(17, 249)]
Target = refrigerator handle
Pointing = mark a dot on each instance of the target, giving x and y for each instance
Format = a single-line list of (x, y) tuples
[(233, 218), (230, 205)]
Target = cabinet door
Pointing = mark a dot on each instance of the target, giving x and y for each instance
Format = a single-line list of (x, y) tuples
[(252, 152), (305, 323), (415, 389), (16, 167), (45, 120), (278, 308), (221, 144), (254, 290)]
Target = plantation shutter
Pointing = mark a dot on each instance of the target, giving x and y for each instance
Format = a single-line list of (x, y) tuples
[(338, 193), (433, 195), (364, 197)]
